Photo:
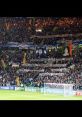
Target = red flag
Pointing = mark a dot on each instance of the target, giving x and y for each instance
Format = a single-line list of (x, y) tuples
[(70, 48)]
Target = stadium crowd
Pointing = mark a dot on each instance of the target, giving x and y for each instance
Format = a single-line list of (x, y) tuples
[(36, 73), (32, 75), (22, 28)]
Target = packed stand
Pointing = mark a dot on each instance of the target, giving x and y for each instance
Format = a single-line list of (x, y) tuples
[(20, 30)]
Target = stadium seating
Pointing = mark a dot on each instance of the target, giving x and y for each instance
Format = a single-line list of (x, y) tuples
[(35, 50)]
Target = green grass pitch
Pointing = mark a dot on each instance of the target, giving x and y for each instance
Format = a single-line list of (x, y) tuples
[(25, 95)]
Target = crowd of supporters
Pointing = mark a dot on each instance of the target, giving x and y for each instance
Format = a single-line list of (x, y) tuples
[(30, 75), (20, 29)]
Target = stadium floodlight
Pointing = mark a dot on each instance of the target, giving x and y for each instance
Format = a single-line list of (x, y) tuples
[(58, 88)]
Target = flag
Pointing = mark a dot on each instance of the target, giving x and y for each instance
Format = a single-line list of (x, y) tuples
[(24, 58), (3, 63), (70, 46), (17, 81)]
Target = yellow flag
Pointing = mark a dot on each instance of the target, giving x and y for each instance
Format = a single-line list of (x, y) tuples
[(3, 63), (24, 58), (17, 81)]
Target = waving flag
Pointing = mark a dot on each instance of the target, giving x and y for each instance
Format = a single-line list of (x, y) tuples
[(70, 48)]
